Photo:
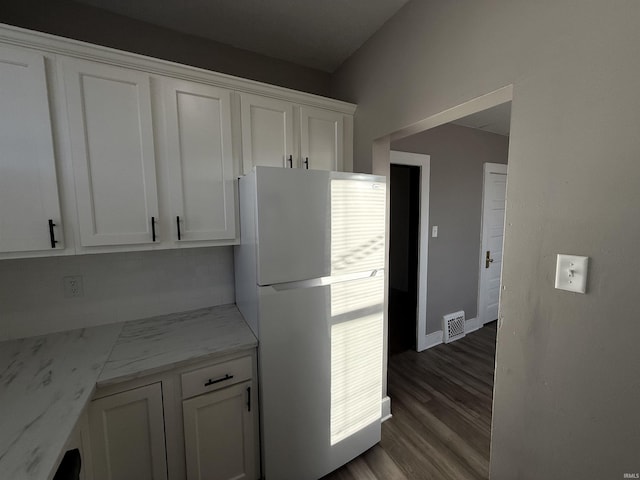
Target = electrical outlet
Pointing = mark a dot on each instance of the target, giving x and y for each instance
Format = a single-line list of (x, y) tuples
[(73, 286)]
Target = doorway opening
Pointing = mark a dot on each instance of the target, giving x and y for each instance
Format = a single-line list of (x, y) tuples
[(462, 225), (457, 378), (403, 256), (463, 146)]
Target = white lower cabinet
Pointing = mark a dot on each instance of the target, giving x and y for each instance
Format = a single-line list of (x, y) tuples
[(219, 435), (127, 435), (79, 439), (198, 422)]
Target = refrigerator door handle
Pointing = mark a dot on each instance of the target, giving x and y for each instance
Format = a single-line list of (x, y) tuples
[(322, 281)]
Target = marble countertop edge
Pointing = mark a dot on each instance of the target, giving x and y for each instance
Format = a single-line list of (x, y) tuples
[(48, 381), (115, 380)]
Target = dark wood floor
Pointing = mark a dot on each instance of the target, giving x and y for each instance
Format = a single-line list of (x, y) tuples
[(441, 426)]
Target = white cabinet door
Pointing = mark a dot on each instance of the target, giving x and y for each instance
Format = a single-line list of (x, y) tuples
[(200, 162), (111, 132), (267, 132), (219, 435), (79, 439), (127, 435), (321, 139), (28, 184)]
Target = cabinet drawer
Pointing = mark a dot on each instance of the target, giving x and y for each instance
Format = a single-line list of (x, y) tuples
[(217, 376)]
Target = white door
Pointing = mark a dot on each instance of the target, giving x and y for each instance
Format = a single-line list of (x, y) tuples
[(321, 139), (493, 207), (219, 435), (127, 435), (200, 163), (28, 185), (111, 132), (267, 132)]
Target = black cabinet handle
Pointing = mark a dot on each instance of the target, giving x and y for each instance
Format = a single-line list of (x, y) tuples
[(178, 225), (52, 234), (249, 399), (306, 163), (218, 380), (290, 160), (153, 228)]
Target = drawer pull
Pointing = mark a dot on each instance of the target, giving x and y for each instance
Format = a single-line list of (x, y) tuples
[(218, 380)]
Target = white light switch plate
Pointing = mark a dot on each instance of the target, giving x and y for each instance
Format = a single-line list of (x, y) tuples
[(571, 273)]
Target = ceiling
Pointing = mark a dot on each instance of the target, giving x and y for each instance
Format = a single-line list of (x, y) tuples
[(495, 120), (319, 34)]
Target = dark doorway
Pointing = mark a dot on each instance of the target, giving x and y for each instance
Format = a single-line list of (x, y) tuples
[(403, 257)]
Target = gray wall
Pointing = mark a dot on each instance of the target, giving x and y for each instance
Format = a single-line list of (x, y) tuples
[(117, 287), (90, 24), (455, 206), (566, 387)]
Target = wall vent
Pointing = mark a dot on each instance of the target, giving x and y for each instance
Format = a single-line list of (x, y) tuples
[(453, 326)]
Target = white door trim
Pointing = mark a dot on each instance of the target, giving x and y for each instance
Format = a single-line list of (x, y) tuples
[(422, 161), (482, 300), (475, 105)]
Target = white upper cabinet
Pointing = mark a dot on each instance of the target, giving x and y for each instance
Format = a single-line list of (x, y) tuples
[(137, 153), (270, 139), (267, 132), (321, 139), (29, 204), (111, 133), (199, 160)]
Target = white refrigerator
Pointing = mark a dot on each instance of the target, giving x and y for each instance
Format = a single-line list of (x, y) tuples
[(310, 283)]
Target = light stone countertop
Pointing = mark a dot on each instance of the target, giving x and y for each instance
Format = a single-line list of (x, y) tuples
[(160, 343), (47, 381), (45, 384)]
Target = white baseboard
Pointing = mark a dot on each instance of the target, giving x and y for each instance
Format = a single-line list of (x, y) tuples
[(471, 325), (431, 340), (386, 409)]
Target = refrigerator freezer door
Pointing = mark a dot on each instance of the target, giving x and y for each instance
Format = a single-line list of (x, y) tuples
[(293, 224), (316, 224), (320, 355)]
